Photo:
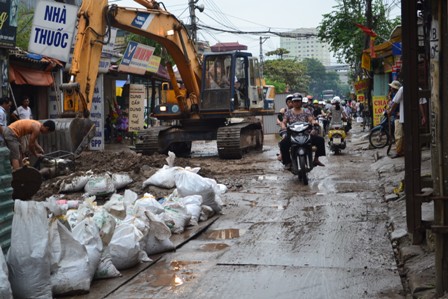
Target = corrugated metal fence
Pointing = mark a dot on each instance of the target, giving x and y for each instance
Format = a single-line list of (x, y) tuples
[(269, 121), (6, 202)]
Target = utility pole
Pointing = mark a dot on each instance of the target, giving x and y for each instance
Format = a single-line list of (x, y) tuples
[(366, 46), (262, 40), (193, 24)]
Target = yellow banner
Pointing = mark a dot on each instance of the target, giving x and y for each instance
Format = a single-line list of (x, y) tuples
[(379, 104), (153, 64), (365, 61)]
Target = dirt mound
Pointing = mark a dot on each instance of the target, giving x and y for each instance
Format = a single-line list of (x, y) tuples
[(139, 167)]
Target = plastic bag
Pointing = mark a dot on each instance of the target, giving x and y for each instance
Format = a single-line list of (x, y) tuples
[(29, 255)]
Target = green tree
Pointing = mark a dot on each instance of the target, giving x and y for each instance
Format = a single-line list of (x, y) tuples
[(24, 25), (347, 41), (320, 79), (278, 52), (289, 72)]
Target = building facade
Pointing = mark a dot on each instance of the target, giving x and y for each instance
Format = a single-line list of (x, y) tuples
[(306, 45)]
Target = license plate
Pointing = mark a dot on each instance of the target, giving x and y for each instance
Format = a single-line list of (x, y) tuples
[(337, 140)]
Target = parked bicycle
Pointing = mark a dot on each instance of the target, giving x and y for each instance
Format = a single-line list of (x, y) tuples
[(382, 135)]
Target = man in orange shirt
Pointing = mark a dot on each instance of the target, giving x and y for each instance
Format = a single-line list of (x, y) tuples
[(20, 128)]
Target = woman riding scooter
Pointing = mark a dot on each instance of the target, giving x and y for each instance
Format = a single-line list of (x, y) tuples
[(297, 113)]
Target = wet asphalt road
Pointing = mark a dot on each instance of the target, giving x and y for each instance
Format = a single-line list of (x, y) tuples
[(280, 239)]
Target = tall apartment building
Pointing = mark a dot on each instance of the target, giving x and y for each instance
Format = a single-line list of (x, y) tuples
[(306, 47)]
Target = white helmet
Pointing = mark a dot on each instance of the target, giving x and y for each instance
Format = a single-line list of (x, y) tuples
[(335, 100)]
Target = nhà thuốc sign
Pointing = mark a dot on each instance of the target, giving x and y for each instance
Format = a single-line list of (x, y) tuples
[(52, 31)]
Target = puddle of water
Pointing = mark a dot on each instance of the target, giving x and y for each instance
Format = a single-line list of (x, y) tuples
[(223, 234), (213, 246), (165, 274)]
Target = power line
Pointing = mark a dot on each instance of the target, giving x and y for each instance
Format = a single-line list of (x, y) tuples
[(280, 34)]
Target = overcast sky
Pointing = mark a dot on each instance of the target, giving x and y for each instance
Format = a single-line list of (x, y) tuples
[(251, 15)]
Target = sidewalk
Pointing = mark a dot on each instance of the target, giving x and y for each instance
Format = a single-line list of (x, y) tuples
[(416, 262)]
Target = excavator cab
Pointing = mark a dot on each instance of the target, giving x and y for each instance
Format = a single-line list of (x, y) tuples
[(230, 82)]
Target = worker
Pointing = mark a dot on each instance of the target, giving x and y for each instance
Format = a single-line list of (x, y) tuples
[(23, 111), (20, 128)]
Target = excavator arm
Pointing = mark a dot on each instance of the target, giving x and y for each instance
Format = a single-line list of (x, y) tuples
[(79, 91), (95, 17)]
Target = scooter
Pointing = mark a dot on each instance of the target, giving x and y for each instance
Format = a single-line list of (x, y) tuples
[(301, 149), (336, 137)]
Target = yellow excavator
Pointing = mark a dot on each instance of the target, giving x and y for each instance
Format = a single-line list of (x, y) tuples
[(221, 97)]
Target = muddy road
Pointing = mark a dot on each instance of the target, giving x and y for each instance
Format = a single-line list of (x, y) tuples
[(276, 238)]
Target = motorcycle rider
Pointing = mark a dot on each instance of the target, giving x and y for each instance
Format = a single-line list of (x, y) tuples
[(281, 116), (318, 111), (336, 113), (297, 113)]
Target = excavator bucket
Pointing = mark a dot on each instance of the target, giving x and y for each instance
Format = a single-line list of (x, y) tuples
[(71, 135)]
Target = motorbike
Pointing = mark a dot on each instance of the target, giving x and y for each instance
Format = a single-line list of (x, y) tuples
[(382, 134), (301, 149), (336, 137)]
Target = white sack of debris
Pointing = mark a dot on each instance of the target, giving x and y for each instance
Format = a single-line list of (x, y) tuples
[(74, 183), (100, 185), (164, 177), (69, 262), (189, 183), (5, 286), (28, 257), (121, 180), (125, 248)]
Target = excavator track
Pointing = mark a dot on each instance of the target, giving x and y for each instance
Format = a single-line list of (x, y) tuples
[(149, 140), (236, 139)]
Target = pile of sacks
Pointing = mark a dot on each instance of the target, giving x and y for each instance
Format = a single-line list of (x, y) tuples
[(58, 248)]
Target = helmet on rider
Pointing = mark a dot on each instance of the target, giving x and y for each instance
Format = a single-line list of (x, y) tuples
[(297, 97), (335, 100), (343, 102), (288, 98), (315, 102)]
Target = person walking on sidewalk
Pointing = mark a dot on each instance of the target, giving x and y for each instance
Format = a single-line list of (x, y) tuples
[(397, 101)]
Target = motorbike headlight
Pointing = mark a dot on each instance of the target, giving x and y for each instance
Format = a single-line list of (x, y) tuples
[(300, 138)]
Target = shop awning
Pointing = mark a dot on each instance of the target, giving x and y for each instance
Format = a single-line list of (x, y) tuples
[(21, 75)]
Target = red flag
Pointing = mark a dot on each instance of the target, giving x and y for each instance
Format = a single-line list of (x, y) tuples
[(366, 30)]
